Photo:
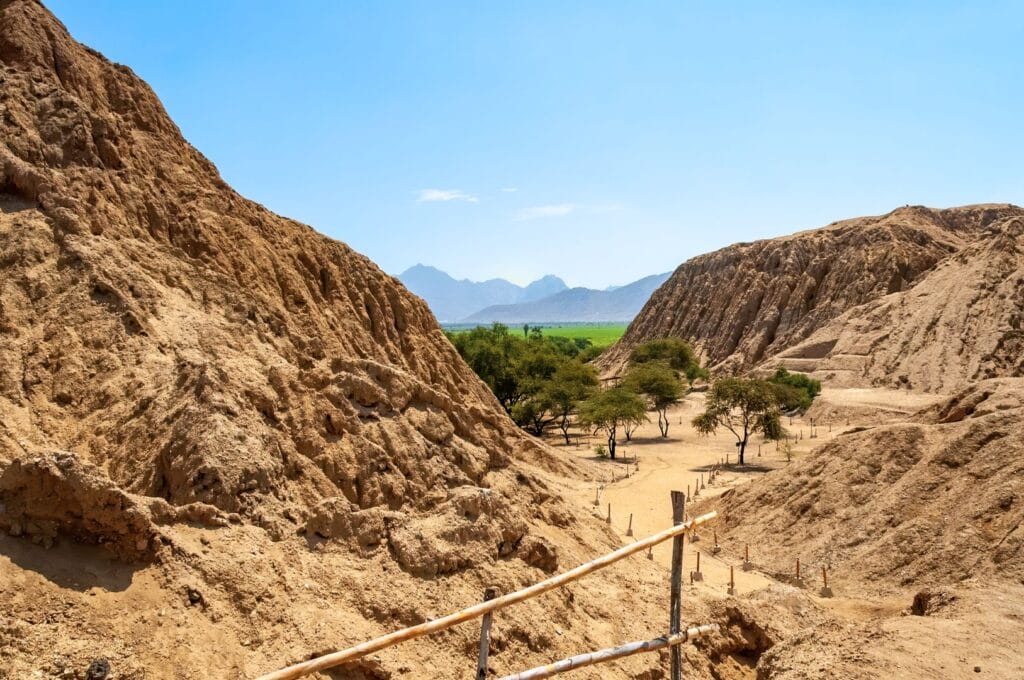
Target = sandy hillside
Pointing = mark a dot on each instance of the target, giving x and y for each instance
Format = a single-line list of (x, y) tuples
[(750, 301), (227, 442), (962, 322)]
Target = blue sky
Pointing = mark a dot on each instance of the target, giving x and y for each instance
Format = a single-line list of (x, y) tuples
[(598, 141)]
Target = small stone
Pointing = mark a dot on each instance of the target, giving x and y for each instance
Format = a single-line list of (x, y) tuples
[(99, 669), (977, 669)]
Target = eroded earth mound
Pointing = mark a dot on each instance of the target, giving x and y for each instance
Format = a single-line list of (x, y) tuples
[(749, 302), (226, 441)]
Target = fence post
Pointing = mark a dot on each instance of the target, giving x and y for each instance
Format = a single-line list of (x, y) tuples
[(485, 638), (675, 604)]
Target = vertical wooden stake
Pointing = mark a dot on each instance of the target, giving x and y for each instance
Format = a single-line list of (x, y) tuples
[(485, 638), (698, 561), (687, 492), (732, 581), (798, 569), (609, 513), (675, 603), (824, 577), (629, 531)]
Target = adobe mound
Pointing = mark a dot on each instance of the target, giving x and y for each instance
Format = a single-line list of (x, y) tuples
[(748, 302), (926, 503)]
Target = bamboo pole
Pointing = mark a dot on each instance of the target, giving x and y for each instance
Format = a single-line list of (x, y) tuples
[(476, 611), (676, 601), (613, 653), (485, 638)]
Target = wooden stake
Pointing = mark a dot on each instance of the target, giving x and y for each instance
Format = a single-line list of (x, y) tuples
[(613, 653), (609, 513), (629, 531), (676, 599), (798, 569), (485, 637), (468, 614), (732, 581)]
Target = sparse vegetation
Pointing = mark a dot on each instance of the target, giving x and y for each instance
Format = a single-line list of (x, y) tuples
[(610, 409), (744, 407), (795, 391)]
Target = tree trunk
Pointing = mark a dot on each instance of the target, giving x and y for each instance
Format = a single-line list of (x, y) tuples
[(743, 448), (663, 422), (564, 426), (611, 442)]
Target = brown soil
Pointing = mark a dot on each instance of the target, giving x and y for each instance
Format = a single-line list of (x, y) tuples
[(751, 301)]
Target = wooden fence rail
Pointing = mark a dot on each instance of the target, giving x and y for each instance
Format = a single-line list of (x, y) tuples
[(476, 611), (613, 653)]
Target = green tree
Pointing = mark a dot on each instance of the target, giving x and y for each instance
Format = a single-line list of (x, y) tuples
[(743, 407), (675, 353), (493, 354), (659, 384), (570, 384), (611, 409), (796, 391)]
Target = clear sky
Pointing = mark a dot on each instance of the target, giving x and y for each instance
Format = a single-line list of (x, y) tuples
[(598, 141)]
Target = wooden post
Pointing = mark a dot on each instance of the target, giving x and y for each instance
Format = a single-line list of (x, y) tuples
[(609, 513), (696, 575), (687, 492), (597, 498), (825, 590), (732, 581), (746, 557), (798, 569), (485, 638), (676, 600), (715, 549), (629, 531)]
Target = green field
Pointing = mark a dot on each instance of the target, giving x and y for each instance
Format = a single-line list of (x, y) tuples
[(601, 334)]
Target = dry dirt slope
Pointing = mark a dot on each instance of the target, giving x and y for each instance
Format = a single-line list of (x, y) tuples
[(962, 322), (272, 437), (745, 303), (929, 503)]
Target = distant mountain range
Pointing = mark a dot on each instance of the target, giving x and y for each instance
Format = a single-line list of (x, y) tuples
[(620, 303), (453, 300), (546, 300)]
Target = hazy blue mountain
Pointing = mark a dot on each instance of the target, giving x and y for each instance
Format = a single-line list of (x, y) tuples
[(451, 299), (576, 304)]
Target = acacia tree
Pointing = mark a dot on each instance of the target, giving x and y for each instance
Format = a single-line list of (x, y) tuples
[(611, 409), (658, 383), (570, 384), (743, 407)]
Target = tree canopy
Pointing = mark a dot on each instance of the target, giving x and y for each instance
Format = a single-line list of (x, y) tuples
[(659, 384), (795, 391), (538, 379), (743, 407), (675, 353), (610, 409)]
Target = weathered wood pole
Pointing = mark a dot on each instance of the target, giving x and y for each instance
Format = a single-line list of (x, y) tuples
[(612, 653), (629, 531), (609, 513), (676, 600), (732, 581), (485, 637), (798, 569)]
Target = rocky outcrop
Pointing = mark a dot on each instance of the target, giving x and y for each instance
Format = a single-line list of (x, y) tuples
[(746, 303)]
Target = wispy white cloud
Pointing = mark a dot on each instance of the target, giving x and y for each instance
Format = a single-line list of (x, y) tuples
[(539, 212), (510, 190), (442, 195)]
